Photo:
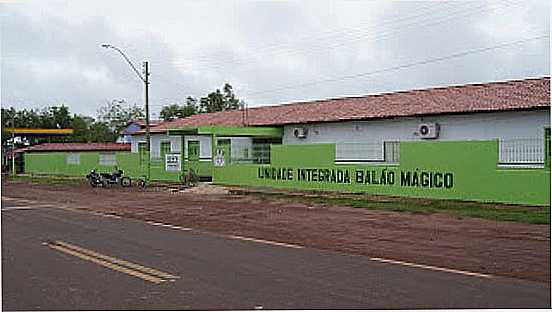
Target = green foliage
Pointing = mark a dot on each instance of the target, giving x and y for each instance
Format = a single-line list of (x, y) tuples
[(54, 117), (219, 101), (81, 129), (216, 101), (85, 128), (175, 111), (101, 132), (50, 117), (117, 117)]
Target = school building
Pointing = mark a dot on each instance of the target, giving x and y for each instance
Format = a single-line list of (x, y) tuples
[(483, 142)]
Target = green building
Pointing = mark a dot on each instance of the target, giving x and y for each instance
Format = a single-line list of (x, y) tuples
[(484, 142)]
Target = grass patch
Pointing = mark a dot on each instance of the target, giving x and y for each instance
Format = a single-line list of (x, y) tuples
[(496, 212), (55, 180)]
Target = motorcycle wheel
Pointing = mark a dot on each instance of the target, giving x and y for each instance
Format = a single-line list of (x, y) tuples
[(142, 183), (92, 183), (126, 182)]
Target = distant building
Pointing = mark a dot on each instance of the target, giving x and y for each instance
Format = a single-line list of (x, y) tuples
[(134, 126)]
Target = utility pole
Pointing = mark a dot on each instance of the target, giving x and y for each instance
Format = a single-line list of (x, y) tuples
[(148, 143), (13, 146), (145, 80)]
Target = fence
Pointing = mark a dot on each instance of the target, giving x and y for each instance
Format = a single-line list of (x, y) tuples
[(521, 152), (384, 152)]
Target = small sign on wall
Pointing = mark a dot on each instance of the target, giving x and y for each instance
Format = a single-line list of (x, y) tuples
[(219, 158), (172, 162)]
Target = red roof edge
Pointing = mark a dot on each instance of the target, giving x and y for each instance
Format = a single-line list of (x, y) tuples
[(79, 147)]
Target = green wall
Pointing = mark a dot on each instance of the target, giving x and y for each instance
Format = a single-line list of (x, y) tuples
[(469, 169), (55, 164)]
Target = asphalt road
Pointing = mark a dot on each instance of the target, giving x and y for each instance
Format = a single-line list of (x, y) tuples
[(54, 259)]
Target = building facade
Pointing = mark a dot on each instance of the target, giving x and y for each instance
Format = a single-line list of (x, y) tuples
[(474, 142)]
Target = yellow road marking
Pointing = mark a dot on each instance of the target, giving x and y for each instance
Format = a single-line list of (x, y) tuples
[(107, 264), (118, 261)]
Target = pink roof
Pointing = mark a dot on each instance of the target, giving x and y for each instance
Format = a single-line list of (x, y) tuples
[(142, 122), (80, 147), (483, 97)]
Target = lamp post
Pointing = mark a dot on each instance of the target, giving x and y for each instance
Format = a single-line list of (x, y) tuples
[(13, 146), (145, 80)]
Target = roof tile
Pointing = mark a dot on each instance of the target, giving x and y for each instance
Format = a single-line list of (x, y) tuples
[(495, 96)]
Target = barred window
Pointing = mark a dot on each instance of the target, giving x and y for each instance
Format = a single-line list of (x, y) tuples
[(108, 159), (528, 151)]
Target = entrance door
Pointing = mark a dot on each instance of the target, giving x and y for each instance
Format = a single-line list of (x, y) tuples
[(193, 156), (224, 146)]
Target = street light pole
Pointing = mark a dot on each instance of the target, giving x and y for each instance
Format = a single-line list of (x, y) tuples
[(145, 80), (13, 146)]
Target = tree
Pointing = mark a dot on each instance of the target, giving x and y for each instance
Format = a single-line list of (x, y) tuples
[(81, 129), (85, 128), (231, 101), (219, 101), (50, 117), (117, 117), (102, 133), (175, 111), (53, 117)]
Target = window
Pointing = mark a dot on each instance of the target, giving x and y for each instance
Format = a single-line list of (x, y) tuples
[(387, 152), (165, 149), (359, 152), (73, 159), (392, 152), (528, 151), (108, 159)]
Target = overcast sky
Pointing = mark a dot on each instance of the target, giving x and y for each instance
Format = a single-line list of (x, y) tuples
[(272, 52)]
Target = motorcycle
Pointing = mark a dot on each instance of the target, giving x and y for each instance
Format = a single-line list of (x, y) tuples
[(107, 179), (94, 179)]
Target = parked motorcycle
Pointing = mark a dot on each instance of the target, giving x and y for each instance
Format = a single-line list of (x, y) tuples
[(94, 179), (106, 179)]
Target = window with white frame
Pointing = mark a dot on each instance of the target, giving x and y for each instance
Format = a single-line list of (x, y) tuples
[(383, 152), (108, 159), (526, 151), (359, 152), (73, 159)]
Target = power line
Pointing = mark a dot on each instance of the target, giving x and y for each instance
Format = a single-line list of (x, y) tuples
[(209, 59), (221, 64), (403, 66), (386, 36), (433, 22), (395, 68), (326, 34)]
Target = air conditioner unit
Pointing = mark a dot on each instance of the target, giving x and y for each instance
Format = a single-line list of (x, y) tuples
[(428, 130), (300, 133)]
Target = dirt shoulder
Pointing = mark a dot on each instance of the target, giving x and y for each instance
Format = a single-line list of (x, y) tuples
[(500, 248)]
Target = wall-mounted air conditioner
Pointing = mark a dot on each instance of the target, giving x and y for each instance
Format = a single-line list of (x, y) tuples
[(300, 133), (429, 130)]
